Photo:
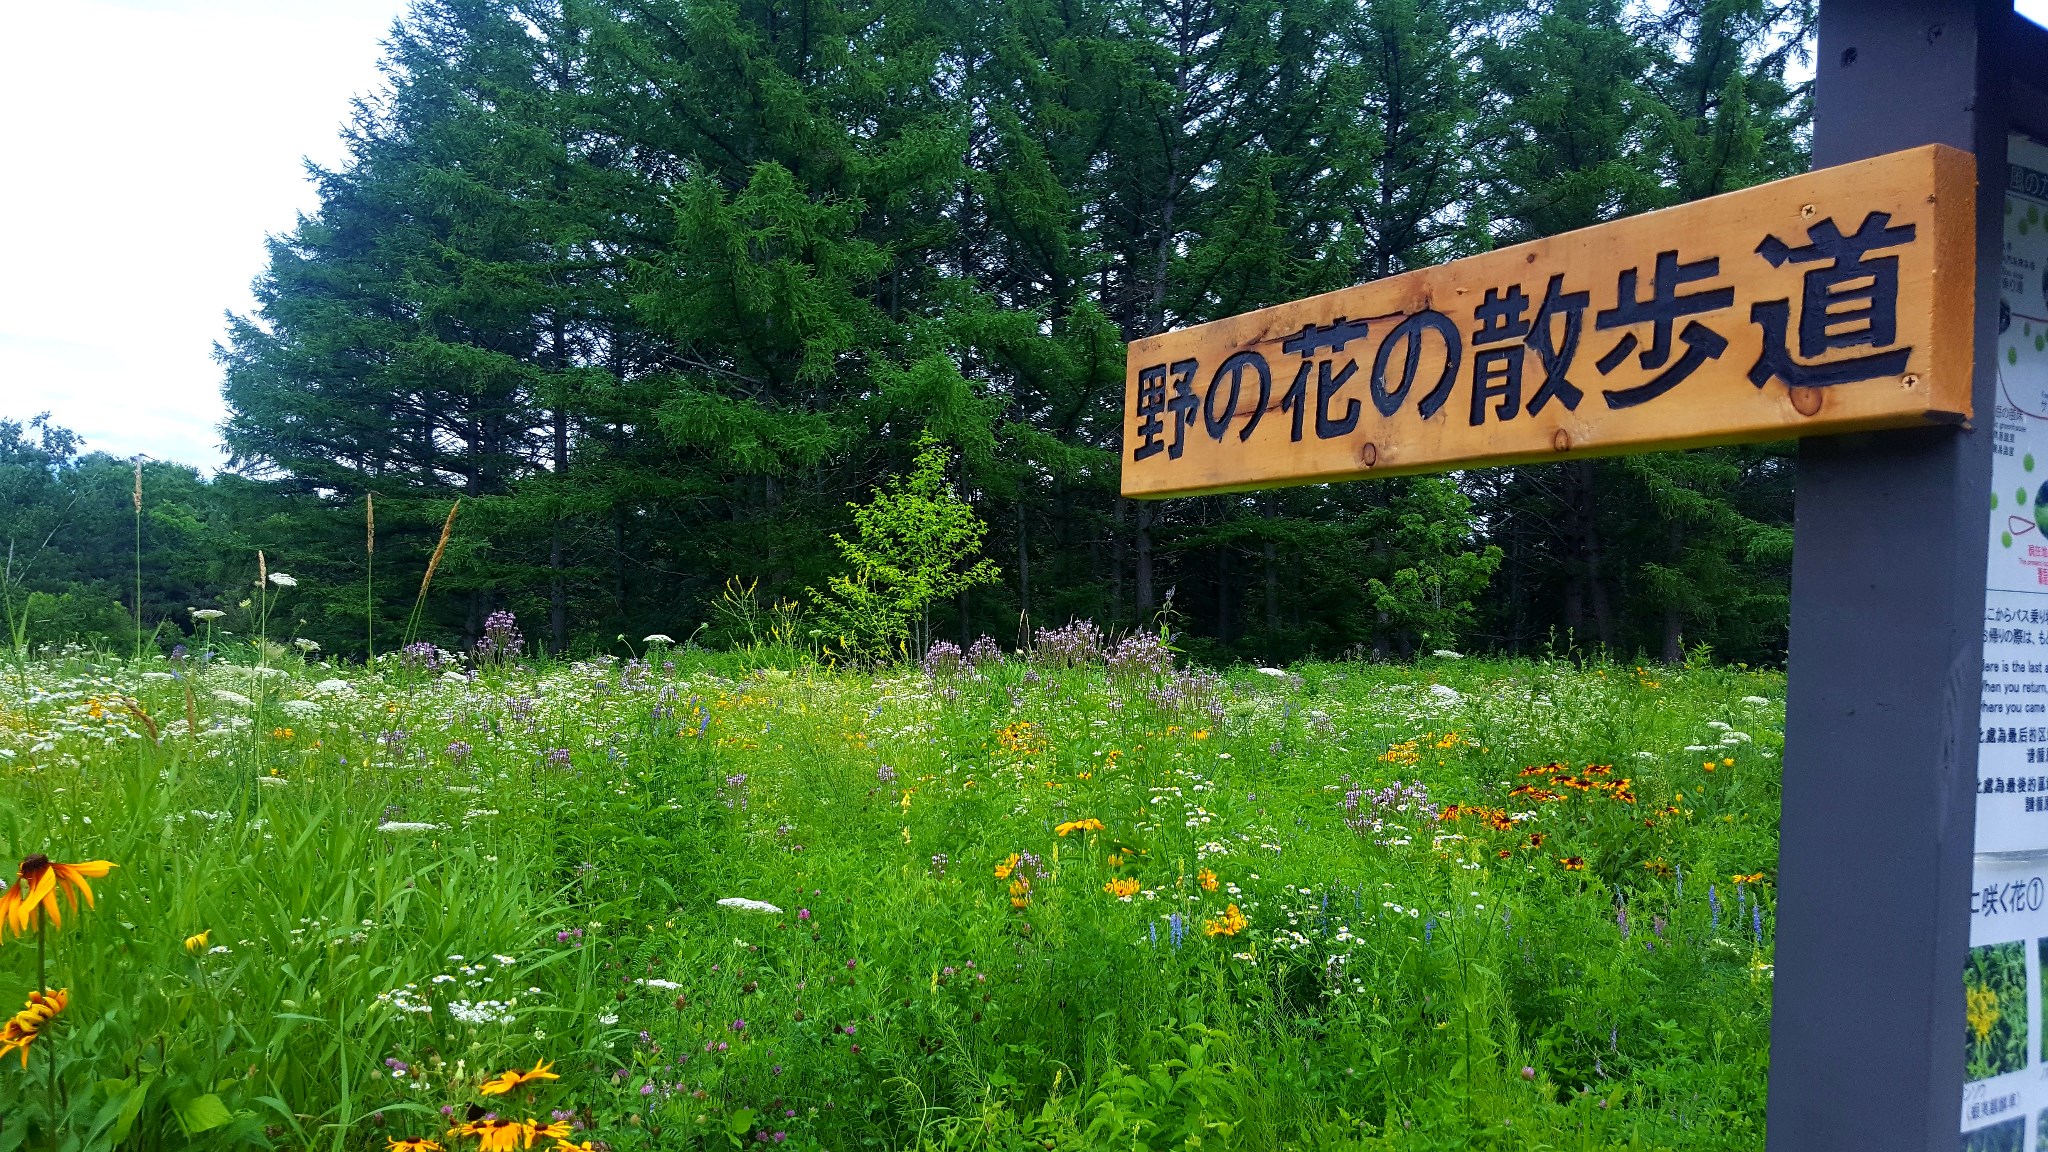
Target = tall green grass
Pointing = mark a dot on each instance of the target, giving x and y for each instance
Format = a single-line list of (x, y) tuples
[(1434, 983)]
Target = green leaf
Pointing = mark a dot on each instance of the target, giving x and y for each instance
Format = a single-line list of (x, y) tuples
[(201, 1114)]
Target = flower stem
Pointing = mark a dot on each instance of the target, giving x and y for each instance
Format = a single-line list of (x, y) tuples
[(43, 986)]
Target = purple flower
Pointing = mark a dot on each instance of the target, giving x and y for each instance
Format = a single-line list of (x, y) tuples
[(738, 1025), (458, 751), (558, 757), (943, 658), (984, 651), (847, 1028), (850, 964), (885, 774), (501, 640), (803, 913), (420, 656), (1076, 644)]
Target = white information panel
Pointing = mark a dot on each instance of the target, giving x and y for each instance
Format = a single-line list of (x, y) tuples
[(2005, 1094)]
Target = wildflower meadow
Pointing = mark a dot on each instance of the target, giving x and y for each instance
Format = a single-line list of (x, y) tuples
[(1082, 896)]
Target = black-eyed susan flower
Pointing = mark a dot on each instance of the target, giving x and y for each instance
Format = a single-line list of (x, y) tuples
[(199, 941), (414, 1144), (1087, 824), (553, 1130), (34, 891), (24, 1026), (565, 1146), (1572, 863), (507, 1081), (493, 1135)]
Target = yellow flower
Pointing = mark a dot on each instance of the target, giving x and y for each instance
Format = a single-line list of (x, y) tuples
[(1020, 892), (22, 1029), (198, 943), (1123, 888), (1199, 734), (554, 1130), (1751, 878), (1229, 924), (1008, 866), (35, 887), (414, 1144), (1090, 824), (1728, 761), (1981, 1008), (505, 1082), (565, 1146), (1207, 879)]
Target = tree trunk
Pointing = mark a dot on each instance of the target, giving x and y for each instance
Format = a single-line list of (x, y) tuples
[(1674, 619), (1223, 594), (1023, 579), (1116, 564), (1271, 553), (558, 588), (1146, 605)]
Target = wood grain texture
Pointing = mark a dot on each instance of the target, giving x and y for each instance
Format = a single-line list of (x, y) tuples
[(1354, 418)]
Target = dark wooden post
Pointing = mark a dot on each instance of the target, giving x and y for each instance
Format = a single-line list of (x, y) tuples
[(1886, 650)]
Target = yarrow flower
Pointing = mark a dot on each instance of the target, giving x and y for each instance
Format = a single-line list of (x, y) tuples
[(21, 1030), (35, 889)]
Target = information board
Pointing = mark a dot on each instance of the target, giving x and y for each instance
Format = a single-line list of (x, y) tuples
[(2005, 1095), (1836, 301)]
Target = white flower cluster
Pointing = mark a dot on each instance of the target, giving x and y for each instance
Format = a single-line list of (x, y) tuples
[(406, 999)]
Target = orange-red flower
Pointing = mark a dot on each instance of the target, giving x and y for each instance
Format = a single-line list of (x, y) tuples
[(505, 1082), (22, 1029), (34, 891)]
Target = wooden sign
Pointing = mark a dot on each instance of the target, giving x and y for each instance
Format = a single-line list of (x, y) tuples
[(1837, 301)]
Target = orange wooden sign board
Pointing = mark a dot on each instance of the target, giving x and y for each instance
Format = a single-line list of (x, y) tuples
[(1837, 301)]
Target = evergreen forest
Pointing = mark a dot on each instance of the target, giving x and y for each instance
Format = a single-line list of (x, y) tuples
[(659, 289)]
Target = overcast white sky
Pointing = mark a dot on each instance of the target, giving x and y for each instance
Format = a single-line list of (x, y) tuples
[(148, 147)]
